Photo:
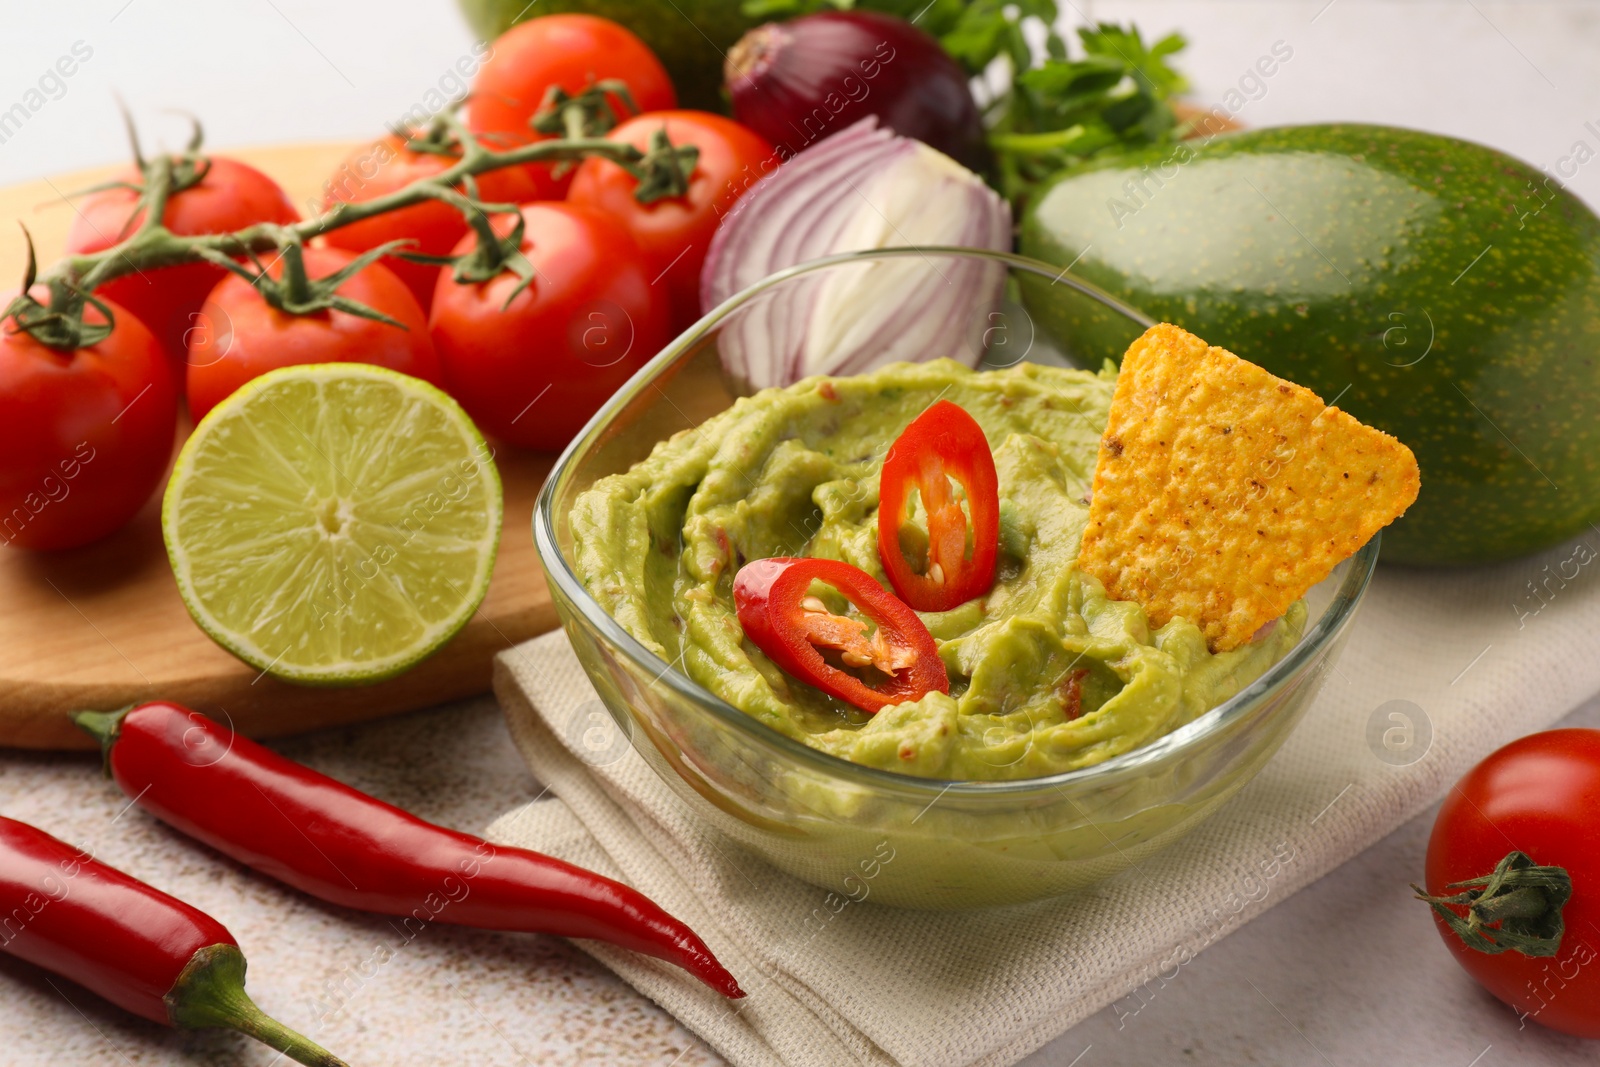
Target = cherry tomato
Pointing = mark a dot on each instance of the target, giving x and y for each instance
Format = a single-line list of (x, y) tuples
[(240, 336), (1539, 796), (231, 196), (533, 372), (387, 165), (782, 618), (675, 232), (943, 442), (571, 51), (85, 436)]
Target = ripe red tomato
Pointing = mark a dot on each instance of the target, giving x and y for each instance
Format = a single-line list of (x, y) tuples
[(85, 436), (240, 336), (675, 232), (387, 165), (231, 196), (1538, 795), (589, 319), (571, 51)]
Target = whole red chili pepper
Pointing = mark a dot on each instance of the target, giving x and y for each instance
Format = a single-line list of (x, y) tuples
[(341, 845), (129, 942), (780, 617)]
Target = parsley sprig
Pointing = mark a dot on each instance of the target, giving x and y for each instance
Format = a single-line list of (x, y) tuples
[(1052, 111)]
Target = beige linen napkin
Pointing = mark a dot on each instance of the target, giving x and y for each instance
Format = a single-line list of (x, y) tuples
[(1481, 656)]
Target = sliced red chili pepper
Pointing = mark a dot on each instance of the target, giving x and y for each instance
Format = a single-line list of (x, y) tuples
[(943, 442), (782, 618)]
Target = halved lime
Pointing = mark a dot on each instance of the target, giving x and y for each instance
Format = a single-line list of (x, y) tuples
[(333, 524)]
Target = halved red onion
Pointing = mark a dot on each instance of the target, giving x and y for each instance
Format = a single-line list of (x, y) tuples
[(796, 81), (862, 188)]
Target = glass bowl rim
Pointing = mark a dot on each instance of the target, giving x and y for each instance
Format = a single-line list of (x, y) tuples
[(1313, 643)]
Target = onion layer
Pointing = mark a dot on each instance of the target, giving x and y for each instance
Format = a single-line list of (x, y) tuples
[(862, 188)]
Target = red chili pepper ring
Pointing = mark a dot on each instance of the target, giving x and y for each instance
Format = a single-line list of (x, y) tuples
[(943, 442), (782, 618)]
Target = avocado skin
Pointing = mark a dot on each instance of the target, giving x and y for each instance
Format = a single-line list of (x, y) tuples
[(690, 37), (1437, 289)]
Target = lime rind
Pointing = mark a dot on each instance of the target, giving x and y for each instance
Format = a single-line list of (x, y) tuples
[(333, 524)]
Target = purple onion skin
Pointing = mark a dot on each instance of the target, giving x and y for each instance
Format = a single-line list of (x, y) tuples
[(797, 82)]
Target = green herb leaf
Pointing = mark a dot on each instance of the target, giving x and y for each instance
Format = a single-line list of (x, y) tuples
[(1057, 111)]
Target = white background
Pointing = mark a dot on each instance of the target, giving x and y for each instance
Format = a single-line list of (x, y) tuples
[(1347, 972), (1522, 76)]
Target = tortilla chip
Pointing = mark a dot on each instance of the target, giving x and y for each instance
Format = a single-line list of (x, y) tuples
[(1223, 493)]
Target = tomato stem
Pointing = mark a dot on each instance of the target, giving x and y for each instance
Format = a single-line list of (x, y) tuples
[(1516, 907), (588, 114)]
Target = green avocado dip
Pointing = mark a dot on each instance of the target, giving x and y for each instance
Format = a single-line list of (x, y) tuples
[(794, 472)]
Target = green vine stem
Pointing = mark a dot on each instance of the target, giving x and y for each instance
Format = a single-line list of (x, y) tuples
[(491, 254), (589, 114), (297, 293), (58, 320)]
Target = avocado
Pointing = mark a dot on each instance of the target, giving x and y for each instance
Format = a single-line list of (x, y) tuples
[(690, 37), (1434, 288)]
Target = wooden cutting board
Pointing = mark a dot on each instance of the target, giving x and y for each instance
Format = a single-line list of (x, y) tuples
[(102, 626)]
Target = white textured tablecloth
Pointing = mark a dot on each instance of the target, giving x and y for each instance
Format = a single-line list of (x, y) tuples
[(1475, 657)]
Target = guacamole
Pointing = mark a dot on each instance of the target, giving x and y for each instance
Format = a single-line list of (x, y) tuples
[(794, 472)]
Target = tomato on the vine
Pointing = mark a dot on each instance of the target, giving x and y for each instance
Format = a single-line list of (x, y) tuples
[(387, 165), (532, 372), (231, 196), (569, 50), (240, 336), (85, 436), (675, 232), (1512, 840)]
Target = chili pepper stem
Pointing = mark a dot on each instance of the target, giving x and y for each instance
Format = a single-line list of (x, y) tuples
[(103, 726), (210, 992)]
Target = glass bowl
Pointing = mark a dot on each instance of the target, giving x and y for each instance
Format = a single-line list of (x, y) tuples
[(866, 833)]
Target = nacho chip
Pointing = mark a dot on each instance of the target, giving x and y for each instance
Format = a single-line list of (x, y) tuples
[(1223, 493)]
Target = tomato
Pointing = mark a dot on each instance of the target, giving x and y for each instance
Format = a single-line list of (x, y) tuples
[(782, 618), (942, 443), (676, 232), (589, 319), (85, 436), (1539, 796), (240, 336), (571, 51), (231, 196), (387, 165)]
